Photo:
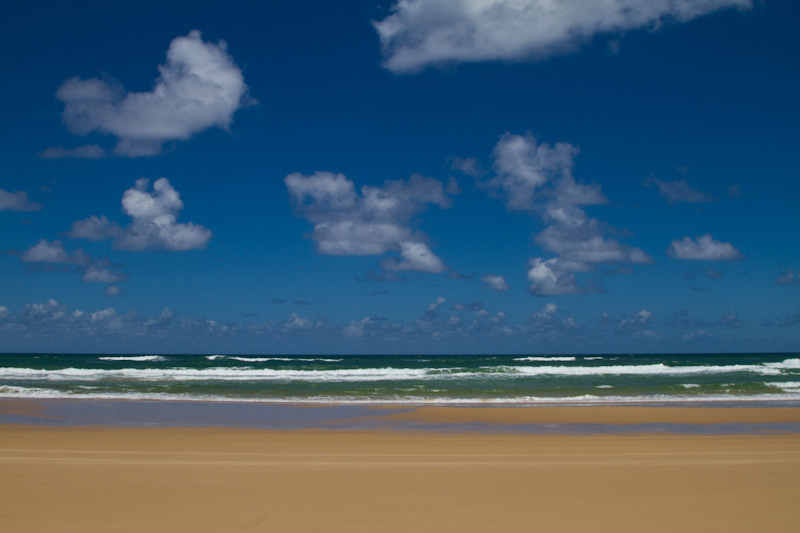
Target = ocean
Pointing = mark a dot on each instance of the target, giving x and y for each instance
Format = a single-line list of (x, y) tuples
[(406, 379)]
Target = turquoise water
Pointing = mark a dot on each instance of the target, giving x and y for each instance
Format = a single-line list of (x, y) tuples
[(405, 379)]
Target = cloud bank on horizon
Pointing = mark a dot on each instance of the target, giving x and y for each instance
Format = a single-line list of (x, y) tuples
[(421, 33)]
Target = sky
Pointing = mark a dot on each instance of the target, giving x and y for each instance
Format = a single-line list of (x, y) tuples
[(408, 176)]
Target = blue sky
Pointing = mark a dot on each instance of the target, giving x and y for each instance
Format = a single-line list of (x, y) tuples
[(411, 176)]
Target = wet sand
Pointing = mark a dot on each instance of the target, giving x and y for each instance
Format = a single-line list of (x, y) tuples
[(234, 479)]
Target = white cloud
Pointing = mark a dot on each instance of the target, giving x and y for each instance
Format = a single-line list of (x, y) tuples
[(199, 87), (433, 306), (4, 312), (415, 256), (154, 225), (547, 311), (295, 321), (92, 270), (495, 283), (553, 276), (703, 248), (678, 191), (97, 274), (419, 33), (53, 252), (537, 177), (371, 223), (576, 237), (17, 201), (532, 175)]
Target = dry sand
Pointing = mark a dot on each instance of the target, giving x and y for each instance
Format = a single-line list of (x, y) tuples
[(211, 479)]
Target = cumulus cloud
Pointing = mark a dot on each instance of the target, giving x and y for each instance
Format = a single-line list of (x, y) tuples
[(199, 87), (576, 237), (529, 173), (91, 269), (703, 248), (155, 223), (53, 252), (419, 33), (678, 191), (537, 178), (374, 222), (495, 283), (549, 277), (17, 201)]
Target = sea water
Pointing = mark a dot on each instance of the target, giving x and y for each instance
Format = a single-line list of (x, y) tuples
[(405, 379)]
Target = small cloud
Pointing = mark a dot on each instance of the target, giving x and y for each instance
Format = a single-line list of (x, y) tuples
[(300, 301), (278, 301), (17, 201), (735, 191), (469, 166), (432, 310), (678, 191), (249, 315), (154, 225), (55, 257), (112, 290), (713, 273), (472, 307), (89, 151), (53, 252), (374, 222), (495, 283), (703, 248), (788, 278)]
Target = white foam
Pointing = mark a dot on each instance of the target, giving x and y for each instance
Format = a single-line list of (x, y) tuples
[(380, 374), (134, 358), (585, 399), (266, 359), (545, 358), (790, 386), (222, 374)]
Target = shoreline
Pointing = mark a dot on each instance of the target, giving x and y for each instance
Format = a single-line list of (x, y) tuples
[(720, 419)]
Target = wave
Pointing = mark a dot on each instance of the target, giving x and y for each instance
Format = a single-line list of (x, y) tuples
[(546, 358), (583, 399), (385, 374), (266, 359), (134, 358)]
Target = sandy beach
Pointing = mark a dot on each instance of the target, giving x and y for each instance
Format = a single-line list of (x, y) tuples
[(231, 479)]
